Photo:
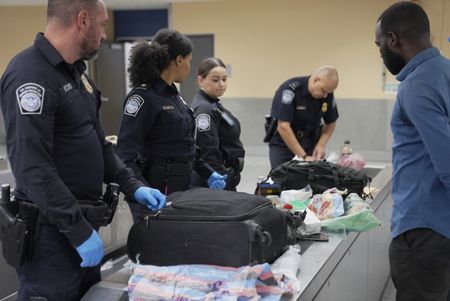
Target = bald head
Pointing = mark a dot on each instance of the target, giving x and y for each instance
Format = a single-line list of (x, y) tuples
[(323, 81), (328, 72), (65, 11)]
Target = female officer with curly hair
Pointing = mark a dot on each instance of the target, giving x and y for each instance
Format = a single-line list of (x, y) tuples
[(157, 133)]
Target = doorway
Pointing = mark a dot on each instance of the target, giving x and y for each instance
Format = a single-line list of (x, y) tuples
[(203, 48)]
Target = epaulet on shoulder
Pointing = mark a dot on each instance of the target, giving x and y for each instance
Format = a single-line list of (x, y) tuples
[(142, 87), (205, 107), (294, 84)]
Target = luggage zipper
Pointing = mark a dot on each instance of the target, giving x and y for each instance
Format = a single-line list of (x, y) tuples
[(250, 213)]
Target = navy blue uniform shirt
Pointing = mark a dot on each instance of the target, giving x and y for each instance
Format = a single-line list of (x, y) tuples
[(293, 103), (54, 138), (157, 125), (218, 132)]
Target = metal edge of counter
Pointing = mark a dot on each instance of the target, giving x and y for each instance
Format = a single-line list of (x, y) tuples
[(310, 287)]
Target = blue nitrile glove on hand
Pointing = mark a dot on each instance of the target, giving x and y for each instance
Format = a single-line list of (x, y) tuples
[(217, 181), (150, 197), (91, 251)]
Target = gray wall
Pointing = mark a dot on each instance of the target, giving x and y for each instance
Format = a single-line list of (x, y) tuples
[(364, 122)]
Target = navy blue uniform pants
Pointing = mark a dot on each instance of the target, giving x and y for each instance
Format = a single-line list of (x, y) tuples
[(420, 265), (280, 153), (54, 270)]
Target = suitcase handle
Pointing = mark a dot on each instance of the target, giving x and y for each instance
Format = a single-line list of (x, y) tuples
[(263, 237)]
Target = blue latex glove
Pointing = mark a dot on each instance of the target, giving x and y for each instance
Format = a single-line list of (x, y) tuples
[(150, 197), (217, 181), (91, 250)]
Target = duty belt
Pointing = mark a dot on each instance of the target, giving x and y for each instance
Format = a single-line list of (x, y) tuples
[(314, 134), (236, 163), (97, 213)]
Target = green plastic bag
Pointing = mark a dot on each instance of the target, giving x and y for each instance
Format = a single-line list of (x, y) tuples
[(361, 221)]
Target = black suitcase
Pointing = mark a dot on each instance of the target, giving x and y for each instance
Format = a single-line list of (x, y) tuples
[(320, 175), (205, 226)]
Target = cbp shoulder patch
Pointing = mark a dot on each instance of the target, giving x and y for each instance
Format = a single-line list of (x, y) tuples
[(203, 122), (133, 105), (30, 97), (287, 97)]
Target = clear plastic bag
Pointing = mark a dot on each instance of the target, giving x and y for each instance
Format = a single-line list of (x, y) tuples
[(355, 161), (358, 216), (288, 265), (328, 205)]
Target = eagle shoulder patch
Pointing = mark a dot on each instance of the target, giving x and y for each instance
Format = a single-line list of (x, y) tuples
[(30, 98), (287, 96), (133, 105), (203, 122)]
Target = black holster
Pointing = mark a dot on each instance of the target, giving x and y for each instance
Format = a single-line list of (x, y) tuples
[(233, 170), (18, 236), (97, 213), (270, 127)]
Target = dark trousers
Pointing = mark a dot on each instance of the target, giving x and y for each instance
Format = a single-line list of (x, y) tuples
[(54, 270), (279, 154), (420, 265)]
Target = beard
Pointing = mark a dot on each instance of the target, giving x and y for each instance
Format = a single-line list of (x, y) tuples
[(89, 48), (393, 62)]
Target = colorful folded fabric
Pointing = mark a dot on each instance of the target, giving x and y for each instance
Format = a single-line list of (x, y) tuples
[(206, 282)]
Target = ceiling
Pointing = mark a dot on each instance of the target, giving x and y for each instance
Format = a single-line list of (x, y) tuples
[(111, 4)]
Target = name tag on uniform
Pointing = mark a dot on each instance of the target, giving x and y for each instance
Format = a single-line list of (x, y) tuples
[(227, 119), (67, 87), (166, 108), (301, 108)]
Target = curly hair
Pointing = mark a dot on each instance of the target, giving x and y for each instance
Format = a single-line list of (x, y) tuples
[(148, 60)]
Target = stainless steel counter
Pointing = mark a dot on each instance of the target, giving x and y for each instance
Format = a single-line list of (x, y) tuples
[(349, 267)]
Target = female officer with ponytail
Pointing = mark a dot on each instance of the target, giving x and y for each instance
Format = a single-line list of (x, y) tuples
[(218, 130), (157, 133)]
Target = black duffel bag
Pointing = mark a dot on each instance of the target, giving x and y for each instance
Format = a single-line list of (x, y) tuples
[(205, 226), (320, 175)]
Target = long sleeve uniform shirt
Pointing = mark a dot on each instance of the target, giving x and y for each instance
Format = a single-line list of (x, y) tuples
[(218, 132), (55, 140), (157, 125)]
